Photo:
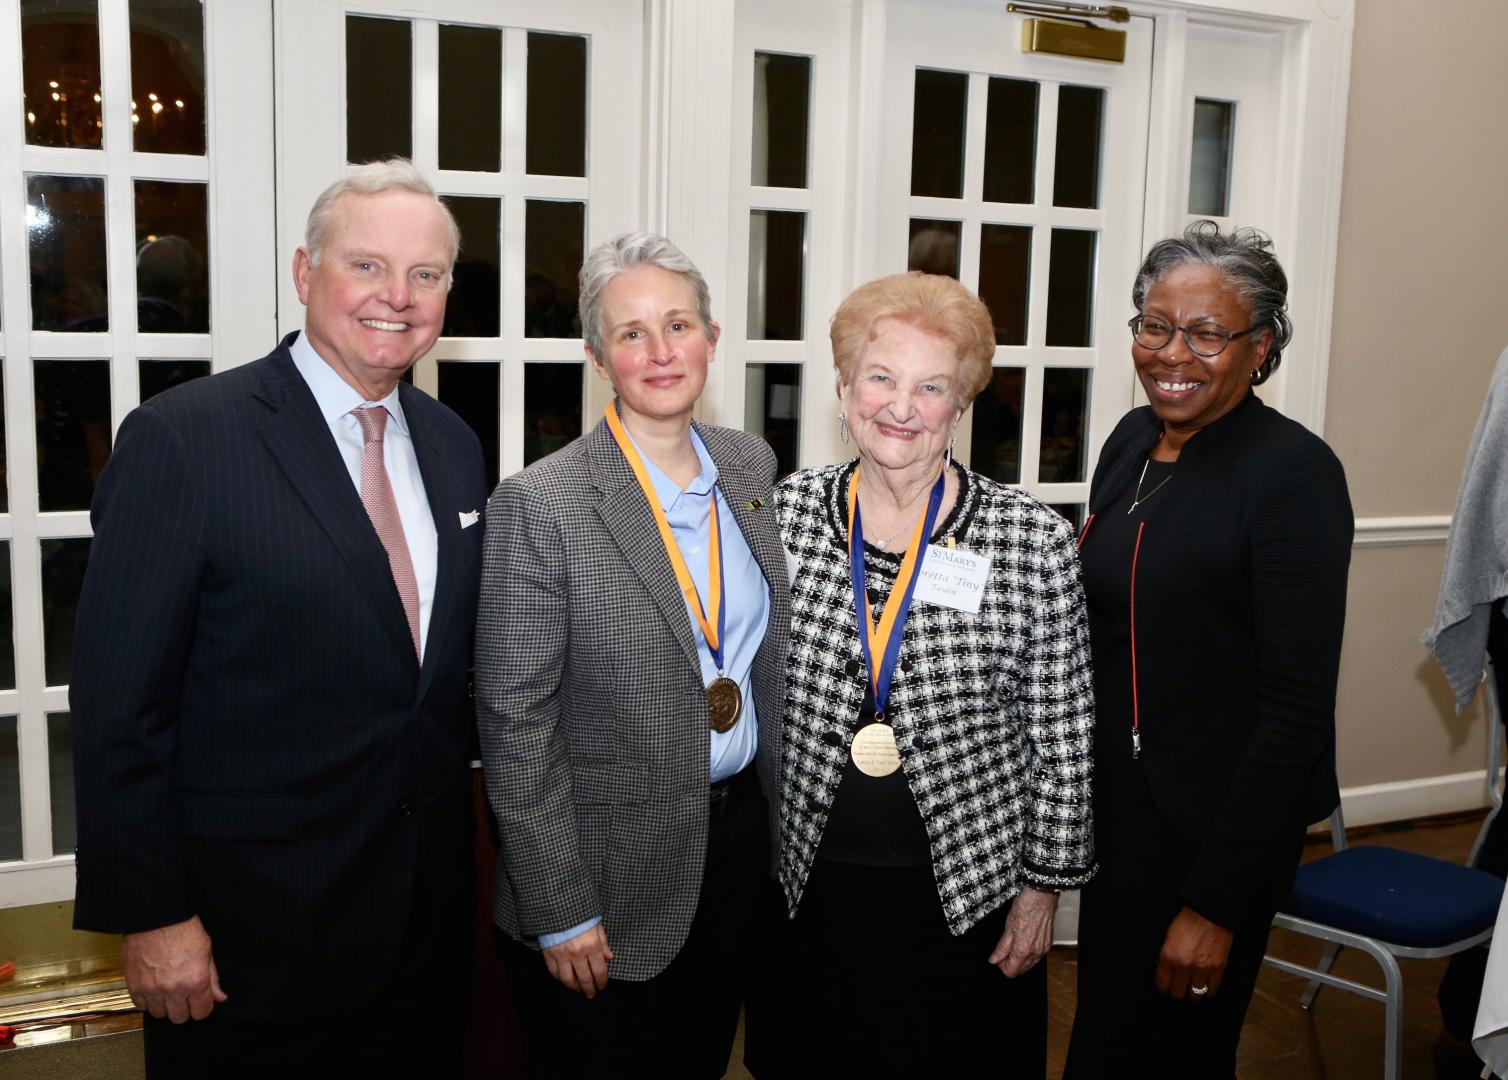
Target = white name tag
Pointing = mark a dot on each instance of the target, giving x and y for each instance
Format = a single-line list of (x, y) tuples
[(953, 578)]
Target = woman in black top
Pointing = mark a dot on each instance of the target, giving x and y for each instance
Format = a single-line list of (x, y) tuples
[(1215, 561)]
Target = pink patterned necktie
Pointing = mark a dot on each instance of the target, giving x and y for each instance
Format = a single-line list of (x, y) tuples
[(382, 508)]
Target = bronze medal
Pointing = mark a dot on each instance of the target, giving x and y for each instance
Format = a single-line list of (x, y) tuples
[(725, 703), (874, 750)]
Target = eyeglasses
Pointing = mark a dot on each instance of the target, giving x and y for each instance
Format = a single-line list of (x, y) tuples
[(1203, 339)]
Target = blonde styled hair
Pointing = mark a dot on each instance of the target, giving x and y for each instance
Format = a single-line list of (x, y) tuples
[(930, 301)]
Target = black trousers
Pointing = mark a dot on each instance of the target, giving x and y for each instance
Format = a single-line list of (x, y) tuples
[(680, 1023), (1123, 1024), (867, 981)]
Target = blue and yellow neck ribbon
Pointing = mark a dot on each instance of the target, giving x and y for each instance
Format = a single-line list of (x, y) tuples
[(712, 619), (884, 641)]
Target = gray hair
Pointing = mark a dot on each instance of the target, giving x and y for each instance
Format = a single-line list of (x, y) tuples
[(394, 174), (620, 255), (1244, 258)]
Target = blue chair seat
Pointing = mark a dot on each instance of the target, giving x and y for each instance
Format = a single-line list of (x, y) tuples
[(1396, 896)]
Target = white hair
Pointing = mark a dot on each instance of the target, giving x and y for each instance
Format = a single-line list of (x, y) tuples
[(394, 174), (622, 254)]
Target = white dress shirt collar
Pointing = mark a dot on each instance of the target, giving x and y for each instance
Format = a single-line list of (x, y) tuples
[(334, 396)]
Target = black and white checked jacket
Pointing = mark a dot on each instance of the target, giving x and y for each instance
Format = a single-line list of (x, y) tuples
[(993, 713)]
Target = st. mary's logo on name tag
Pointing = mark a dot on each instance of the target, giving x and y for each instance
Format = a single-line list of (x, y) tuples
[(952, 577)]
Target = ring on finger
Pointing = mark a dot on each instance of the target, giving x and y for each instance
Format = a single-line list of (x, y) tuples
[(1199, 991)]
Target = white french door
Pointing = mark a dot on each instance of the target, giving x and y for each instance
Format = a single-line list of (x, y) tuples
[(158, 165), (1023, 175), (527, 116)]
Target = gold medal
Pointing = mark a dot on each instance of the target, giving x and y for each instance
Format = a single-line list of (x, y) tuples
[(725, 703), (874, 750)]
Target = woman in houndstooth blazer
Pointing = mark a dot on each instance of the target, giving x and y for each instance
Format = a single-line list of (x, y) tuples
[(633, 830), (928, 826)]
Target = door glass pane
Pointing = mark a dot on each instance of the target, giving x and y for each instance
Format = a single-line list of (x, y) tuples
[(60, 82), (1076, 169), (995, 449), (471, 389), (937, 133), (73, 430), (167, 76), (172, 257), (1074, 512), (471, 98), (1070, 288), (777, 257), (552, 407), (473, 308), (379, 88), (1005, 256), (782, 88), (7, 623), (65, 227), (158, 375), (772, 408), (556, 131), (1010, 141), (1065, 400), (4, 476), (10, 791), (60, 775), (554, 239), (63, 563), (934, 246), (1209, 172)]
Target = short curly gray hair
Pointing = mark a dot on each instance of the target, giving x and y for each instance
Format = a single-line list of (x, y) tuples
[(620, 255), (393, 174), (1244, 258)]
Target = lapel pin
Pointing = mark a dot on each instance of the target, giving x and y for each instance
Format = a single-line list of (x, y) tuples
[(756, 504)]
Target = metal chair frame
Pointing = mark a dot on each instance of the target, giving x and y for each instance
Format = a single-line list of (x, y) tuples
[(1386, 953)]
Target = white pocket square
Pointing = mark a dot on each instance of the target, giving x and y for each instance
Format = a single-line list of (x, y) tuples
[(469, 518)]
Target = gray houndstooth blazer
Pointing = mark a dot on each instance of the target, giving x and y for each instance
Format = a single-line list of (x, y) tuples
[(590, 703)]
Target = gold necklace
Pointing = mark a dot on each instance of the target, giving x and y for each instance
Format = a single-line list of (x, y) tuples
[(1139, 498)]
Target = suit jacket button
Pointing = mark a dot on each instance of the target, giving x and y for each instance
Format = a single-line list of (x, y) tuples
[(851, 667), (405, 809)]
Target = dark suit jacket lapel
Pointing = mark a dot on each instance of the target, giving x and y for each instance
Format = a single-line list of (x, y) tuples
[(442, 506), (631, 525), (299, 439)]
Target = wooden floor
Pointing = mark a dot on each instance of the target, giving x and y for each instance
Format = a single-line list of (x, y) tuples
[(1341, 1037)]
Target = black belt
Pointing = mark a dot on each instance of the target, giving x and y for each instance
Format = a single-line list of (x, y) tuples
[(724, 795)]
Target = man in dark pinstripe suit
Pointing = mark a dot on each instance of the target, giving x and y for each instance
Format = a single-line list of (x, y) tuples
[(272, 724)]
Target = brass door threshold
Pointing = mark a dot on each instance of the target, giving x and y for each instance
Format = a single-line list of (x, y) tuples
[(60, 1020)]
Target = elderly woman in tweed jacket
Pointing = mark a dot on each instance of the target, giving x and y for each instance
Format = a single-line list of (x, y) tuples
[(935, 794)]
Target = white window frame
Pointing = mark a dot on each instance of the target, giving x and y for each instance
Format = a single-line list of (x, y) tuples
[(238, 87)]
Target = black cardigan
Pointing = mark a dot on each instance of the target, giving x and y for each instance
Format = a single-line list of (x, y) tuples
[(1240, 594)]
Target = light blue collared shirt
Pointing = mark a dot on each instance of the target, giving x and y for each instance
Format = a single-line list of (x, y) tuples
[(336, 398), (746, 602)]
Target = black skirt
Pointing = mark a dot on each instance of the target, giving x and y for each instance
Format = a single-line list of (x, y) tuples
[(868, 981)]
